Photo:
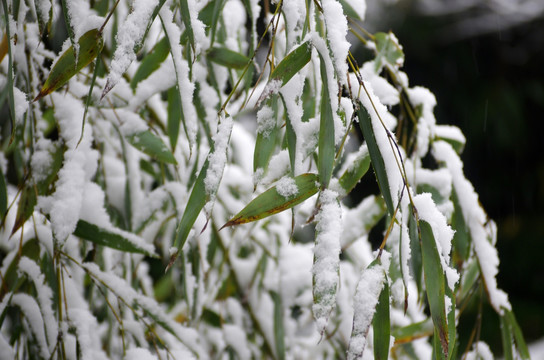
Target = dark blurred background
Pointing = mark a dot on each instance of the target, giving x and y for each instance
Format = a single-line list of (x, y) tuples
[(484, 61)]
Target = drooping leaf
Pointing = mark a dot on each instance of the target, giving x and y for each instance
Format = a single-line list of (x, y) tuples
[(435, 284), (382, 325), (279, 332), (90, 44), (174, 116), (266, 141), (186, 18), (389, 52), (3, 197), (355, 171), (327, 151), (515, 331), (105, 237), (151, 62), (228, 58), (413, 331), (292, 63), (271, 202), (376, 157), (152, 145)]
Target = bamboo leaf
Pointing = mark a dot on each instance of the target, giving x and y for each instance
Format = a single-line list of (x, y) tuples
[(376, 157), (228, 58), (174, 109), (196, 202), (507, 338), (435, 284), (292, 63), (513, 325), (152, 145), (90, 44), (389, 52), (327, 152), (186, 18), (381, 325), (151, 62), (413, 332), (10, 85), (279, 332), (3, 197), (355, 171), (271, 202), (266, 141), (113, 239)]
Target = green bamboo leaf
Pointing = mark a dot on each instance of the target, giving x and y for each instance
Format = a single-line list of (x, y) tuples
[(196, 202), (327, 151), (228, 58), (266, 141), (349, 11), (217, 9), (470, 276), (375, 156), (292, 63), (452, 331), (186, 18), (461, 238), (279, 332), (355, 171), (415, 256), (435, 284), (90, 44), (174, 115), (44, 19), (413, 332), (27, 202), (521, 346), (152, 145), (151, 62), (271, 202), (10, 85), (382, 325), (507, 338), (114, 240), (3, 197), (389, 52)]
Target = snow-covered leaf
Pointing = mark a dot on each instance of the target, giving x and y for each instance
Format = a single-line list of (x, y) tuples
[(274, 200), (152, 145), (90, 45)]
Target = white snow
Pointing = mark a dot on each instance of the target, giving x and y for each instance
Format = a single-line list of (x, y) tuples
[(442, 232), (287, 187), (218, 157), (21, 104), (480, 351), (266, 121), (326, 257), (184, 84), (31, 311), (139, 354), (364, 306), (337, 29), (359, 6), (475, 218), (130, 34)]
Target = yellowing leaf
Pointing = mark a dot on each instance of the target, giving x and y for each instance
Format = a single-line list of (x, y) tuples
[(90, 45), (271, 202)]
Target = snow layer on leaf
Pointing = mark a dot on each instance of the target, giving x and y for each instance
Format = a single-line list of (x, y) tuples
[(426, 123), (295, 13), (364, 306), (21, 104), (82, 18), (359, 6), (130, 34), (41, 159), (450, 132), (287, 187), (442, 233), (160, 80), (386, 92), (475, 218), (45, 298), (266, 121), (87, 332), (337, 29), (185, 86), (218, 157), (236, 338), (326, 257), (379, 116), (31, 310)]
